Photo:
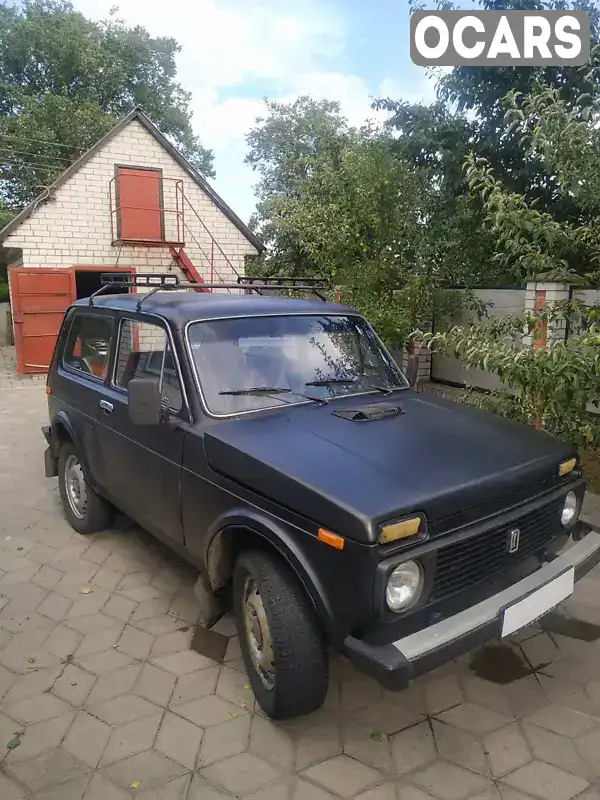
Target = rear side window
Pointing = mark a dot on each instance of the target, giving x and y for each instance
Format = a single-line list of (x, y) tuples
[(88, 344), (145, 352)]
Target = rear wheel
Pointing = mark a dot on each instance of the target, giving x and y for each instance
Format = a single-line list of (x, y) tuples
[(281, 639), (86, 511)]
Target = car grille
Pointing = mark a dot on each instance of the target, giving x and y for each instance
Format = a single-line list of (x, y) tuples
[(471, 561)]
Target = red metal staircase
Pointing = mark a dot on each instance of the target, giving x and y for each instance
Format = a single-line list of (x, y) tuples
[(150, 210), (189, 270), (184, 262), (216, 251)]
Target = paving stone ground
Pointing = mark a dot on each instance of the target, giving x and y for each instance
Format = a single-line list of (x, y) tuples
[(101, 697), (9, 378)]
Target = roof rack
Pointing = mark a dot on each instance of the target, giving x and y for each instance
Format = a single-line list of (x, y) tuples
[(284, 282), (162, 282), (126, 279)]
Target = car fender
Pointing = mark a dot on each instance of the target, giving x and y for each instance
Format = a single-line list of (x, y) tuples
[(283, 540), (63, 420)]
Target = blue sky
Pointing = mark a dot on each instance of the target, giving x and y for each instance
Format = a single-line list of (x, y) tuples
[(234, 53)]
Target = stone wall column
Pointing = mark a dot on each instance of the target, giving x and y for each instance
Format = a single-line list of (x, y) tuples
[(537, 295)]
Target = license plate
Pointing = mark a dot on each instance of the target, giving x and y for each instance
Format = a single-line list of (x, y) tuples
[(535, 605)]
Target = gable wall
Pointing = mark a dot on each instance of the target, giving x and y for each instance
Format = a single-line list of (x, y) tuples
[(73, 228)]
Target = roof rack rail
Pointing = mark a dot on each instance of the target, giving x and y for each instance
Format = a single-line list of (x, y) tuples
[(162, 282), (149, 279), (285, 282)]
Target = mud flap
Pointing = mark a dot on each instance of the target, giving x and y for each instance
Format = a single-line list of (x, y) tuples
[(50, 463)]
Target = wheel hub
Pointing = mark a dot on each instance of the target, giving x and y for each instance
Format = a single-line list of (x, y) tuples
[(258, 634), (76, 490)]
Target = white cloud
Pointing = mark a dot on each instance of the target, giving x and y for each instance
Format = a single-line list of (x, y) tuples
[(226, 43), (419, 90), (234, 51), (221, 122), (351, 91)]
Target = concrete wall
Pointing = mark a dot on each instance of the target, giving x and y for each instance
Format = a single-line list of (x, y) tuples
[(503, 301), (73, 228), (591, 297), (511, 301), (6, 336)]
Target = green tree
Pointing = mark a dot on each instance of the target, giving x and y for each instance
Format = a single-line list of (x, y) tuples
[(5, 215), (348, 206), (339, 204), (563, 137), (284, 145), (469, 117), (437, 140), (342, 205), (64, 80), (552, 387), (480, 91)]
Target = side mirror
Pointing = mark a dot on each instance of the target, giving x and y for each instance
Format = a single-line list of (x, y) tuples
[(144, 402), (412, 370)]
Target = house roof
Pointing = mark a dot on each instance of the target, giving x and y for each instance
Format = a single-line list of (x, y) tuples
[(136, 114)]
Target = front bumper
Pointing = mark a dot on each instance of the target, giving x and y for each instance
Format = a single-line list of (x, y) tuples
[(395, 664)]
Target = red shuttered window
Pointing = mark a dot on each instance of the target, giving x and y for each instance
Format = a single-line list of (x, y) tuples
[(139, 204)]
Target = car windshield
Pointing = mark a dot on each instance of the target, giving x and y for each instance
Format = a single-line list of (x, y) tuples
[(253, 363)]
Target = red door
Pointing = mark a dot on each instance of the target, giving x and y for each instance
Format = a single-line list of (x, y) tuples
[(40, 298), (139, 214)]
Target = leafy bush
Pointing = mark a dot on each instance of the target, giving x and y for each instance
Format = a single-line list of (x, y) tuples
[(555, 387), (4, 297)]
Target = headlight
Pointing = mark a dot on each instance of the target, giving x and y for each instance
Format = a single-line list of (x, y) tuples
[(404, 586), (570, 510)]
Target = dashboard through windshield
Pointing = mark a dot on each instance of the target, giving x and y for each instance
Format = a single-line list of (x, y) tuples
[(253, 363)]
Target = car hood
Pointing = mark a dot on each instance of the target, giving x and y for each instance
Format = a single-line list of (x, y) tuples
[(435, 457)]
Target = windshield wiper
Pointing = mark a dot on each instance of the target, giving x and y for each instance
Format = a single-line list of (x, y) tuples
[(258, 390), (328, 381)]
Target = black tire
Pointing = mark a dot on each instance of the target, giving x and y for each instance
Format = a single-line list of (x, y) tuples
[(300, 658), (97, 515)]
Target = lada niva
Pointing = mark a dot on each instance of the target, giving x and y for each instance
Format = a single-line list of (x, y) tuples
[(275, 444)]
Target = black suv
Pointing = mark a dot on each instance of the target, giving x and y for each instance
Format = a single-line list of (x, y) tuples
[(275, 444)]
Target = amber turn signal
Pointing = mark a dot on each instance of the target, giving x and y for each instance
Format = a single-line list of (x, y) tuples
[(567, 466), (399, 530), (332, 539)]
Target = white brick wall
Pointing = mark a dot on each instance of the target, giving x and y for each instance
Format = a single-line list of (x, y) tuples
[(73, 228), (555, 292), (424, 370)]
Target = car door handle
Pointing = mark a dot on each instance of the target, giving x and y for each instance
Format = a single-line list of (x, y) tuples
[(106, 406)]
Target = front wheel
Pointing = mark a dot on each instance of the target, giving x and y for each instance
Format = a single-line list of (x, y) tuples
[(86, 511), (281, 639)]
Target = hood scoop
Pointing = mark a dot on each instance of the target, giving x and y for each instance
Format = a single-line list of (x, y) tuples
[(369, 413)]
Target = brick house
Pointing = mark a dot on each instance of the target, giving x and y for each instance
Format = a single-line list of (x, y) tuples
[(132, 203)]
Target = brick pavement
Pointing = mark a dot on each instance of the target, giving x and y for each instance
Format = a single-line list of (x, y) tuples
[(9, 379), (104, 700)]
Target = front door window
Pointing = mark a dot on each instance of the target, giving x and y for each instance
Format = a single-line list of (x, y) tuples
[(145, 351)]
